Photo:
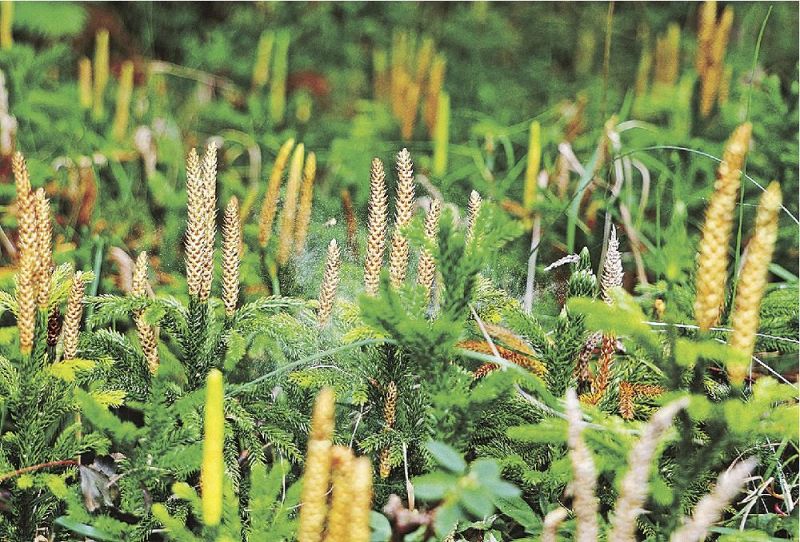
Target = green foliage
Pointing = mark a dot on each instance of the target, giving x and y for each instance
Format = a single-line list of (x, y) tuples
[(463, 492), (100, 448)]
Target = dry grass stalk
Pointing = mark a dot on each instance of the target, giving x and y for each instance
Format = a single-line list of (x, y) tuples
[(584, 502), (473, 210), (376, 226), (710, 508), (317, 472), (330, 283), (231, 246), (290, 205), (43, 269), (404, 211), (72, 320), (389, 416), (634, 486), (552, 521), (753, 281), (426, 266), (270, 206), (26, 280), (342, 498), (148, 335), (306, 203), (712, 256), (350, 222)]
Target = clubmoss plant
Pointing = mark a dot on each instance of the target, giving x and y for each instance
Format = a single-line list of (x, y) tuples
[(712, 256)]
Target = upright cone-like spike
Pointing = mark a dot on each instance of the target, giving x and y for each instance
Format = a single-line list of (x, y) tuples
[(342, 499), (426, 266), (753, 281), (473, 210), (706, 26), (612, 268), (148, 335), (552, 521), (710, 508), (260, 75), (196, 228), (231, 245), (26, 303), (26, 280), (72, 320), (330, 283), (85, 83), (306, 202), (582, 370), (584, 502), (209, 198), (317, 472), (633, 490), (376, 224), (290, 205), (212, 471), (270, 206), (714, 55), (362, 500), (101, 71), (139, 276), (124, 94), (44, 249), (389, 415), (404, 211), (712, 255)]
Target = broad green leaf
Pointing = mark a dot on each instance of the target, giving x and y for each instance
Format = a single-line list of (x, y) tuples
[(447, 457), (433, 486), (83, 530)]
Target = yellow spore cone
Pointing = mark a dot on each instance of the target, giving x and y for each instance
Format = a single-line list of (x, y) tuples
[(212, 471), (753, 281), (712, 256)]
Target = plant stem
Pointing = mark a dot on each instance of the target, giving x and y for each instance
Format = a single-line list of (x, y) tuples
[(32, 468)]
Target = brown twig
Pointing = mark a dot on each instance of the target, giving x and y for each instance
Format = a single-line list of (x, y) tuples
[(40, 466)]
